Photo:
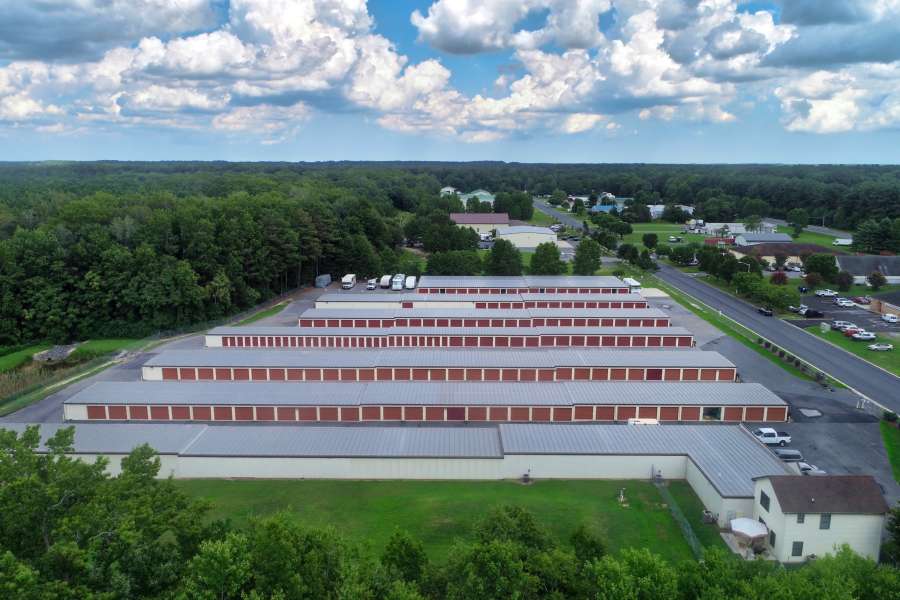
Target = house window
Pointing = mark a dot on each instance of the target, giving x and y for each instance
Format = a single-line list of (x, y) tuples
[(825, 521), (764, 500), (797, 549), (772, 539), (801, 518)]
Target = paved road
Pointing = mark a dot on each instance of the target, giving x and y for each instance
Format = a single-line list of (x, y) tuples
[(815, 228), (564, 218), (856, 373)]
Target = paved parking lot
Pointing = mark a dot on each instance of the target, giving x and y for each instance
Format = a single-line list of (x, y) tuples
[(858, 315)]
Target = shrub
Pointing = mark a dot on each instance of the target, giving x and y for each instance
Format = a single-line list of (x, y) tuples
[(779, 278), (890, 416)]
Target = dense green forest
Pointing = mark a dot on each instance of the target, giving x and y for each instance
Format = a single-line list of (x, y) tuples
[(128, 249), (70, 531)]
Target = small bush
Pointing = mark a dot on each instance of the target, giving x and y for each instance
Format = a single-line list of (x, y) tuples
[(890, 416)]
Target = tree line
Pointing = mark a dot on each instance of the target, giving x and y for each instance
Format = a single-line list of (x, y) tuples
[(69, 531)]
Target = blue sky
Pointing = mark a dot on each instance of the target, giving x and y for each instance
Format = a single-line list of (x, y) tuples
[(534, 80)]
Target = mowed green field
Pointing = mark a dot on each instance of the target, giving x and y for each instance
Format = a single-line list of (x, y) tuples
[(14, 359), (662, 231), (439, 512)]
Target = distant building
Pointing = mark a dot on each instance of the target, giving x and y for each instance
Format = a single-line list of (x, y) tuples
[(752, 238), (449, 191), (863, 266), (768, 251), (480, 195), (735, 229), (527, 236), (656, 210), (481, 222), (816, 515)]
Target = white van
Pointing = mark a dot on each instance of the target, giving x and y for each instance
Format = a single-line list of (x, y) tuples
[(348, 281), (385, 281), (411, 282), (397, 282), (889, 318)]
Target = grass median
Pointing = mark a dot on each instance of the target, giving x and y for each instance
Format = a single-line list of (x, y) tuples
[(887, 360), (891, 436)]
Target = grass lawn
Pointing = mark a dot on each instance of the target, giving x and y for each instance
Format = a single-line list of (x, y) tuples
[(274, 310), (662, 231), (891, 437), (14, 359), (541, 219), (692, 507), (809, 237), (438, 512), (93, 348), (889, 360)]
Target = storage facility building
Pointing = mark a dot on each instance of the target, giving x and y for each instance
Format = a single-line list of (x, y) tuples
[(527, 236), (481, 222), (403, 364), (535, 284), (454, 300), (484, 317), (449, 337), (720, 462), (390, 401)]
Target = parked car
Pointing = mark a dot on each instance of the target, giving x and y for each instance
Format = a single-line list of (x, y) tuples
[(837, 325), (881, 347), (798, 309), (371, 284), (851, 331), (808, 469), (674, 239), (813, 314), (765, 311), (862, 299), (864, 336), (887, 318), (771, 437), (793, 268), (788, 454), (556, 227), (845, 303), (826, 293)]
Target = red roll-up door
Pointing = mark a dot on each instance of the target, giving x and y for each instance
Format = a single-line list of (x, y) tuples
[(668, 413), (690, 413), (754, 413), (265, 413)]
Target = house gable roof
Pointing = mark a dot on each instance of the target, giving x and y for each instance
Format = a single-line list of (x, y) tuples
[(836, 494), (866, 265)]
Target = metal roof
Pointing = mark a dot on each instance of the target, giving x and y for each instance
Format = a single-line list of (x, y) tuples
[(482, 313), (100, 438), (495, 281), (480, 218), (461, 331), (388, 393), (525, 229), (728, 455), (396, 442), (428, 357), (397, 297)]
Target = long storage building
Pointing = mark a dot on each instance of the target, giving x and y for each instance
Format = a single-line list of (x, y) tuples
[(391, 300), (394, 401), (403, 364), (720, 462), (448, 337), (484, 318), (534, 284)]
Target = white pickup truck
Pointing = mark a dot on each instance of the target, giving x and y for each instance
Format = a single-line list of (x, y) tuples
[(770, 437)]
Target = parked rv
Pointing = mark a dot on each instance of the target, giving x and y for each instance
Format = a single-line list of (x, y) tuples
[(397, 282), (385, 281), (348, 281)]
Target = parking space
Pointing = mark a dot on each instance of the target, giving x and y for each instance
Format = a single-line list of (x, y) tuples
[(856, 314), (844, 448)]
